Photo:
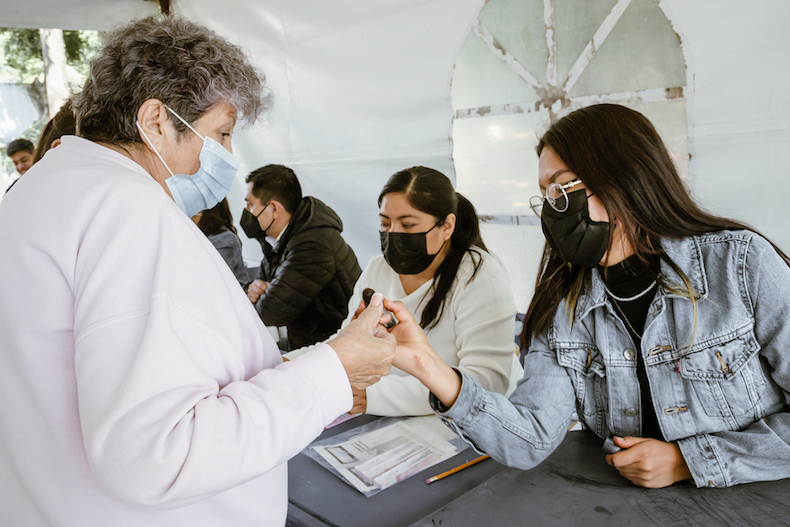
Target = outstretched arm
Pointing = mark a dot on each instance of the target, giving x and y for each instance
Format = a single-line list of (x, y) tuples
[(519, 432)]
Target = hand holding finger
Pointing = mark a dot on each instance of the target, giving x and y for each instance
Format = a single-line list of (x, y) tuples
[(364, 354)]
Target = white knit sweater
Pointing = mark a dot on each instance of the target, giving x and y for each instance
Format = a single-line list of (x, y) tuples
[(474, 334)]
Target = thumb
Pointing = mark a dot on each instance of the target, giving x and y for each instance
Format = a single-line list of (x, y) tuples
[(627, 442), (399, 310), (369, 318)]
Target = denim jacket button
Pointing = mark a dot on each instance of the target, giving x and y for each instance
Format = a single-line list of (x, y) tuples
[(630, 412), (629, 354)]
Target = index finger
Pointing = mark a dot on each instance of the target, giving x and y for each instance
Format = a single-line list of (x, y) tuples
[(623, 458)]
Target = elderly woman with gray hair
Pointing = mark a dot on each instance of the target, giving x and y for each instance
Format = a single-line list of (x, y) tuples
[(138, 385)]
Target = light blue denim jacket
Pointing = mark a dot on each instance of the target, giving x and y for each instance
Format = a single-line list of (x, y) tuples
[(721, 396)]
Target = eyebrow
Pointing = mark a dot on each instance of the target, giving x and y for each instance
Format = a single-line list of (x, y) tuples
[(399, 217), (555, 175)]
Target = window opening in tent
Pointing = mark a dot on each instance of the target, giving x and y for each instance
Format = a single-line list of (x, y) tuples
[(526, 63)]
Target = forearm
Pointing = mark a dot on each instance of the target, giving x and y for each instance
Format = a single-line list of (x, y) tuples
[(273, 311), (394, 395), (168, 439), (439, 378), (520, 432)]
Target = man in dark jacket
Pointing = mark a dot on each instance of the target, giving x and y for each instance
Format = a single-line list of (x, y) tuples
[(308, 271)]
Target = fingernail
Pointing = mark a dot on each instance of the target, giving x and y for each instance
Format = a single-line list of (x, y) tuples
[(376, 299), (618, 437)]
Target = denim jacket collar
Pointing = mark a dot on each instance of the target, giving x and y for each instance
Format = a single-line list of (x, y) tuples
[(686, 254)]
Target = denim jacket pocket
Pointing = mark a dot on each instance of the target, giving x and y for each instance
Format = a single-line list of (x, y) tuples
[(584, 364), (726, 375)]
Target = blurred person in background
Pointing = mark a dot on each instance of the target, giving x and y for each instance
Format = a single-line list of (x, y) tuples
[(62, 124), (21, 153), (217, 224), (308, 270)]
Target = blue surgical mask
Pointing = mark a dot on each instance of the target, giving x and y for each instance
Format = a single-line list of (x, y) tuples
[(210, 184)]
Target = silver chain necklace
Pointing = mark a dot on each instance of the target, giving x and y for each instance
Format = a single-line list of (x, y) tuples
[(630, 298)]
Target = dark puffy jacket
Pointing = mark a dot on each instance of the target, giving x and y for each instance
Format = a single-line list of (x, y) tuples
[(311, 276)]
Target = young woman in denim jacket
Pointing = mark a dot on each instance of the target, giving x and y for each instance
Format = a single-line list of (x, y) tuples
[(664, 327)]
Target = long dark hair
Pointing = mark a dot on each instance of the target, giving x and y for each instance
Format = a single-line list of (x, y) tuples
[(215, 220), (620, 157), (431, 192)]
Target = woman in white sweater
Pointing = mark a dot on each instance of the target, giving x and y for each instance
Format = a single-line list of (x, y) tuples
[(434, 261)]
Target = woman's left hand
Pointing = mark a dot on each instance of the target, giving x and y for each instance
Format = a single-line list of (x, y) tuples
[(649, 462)]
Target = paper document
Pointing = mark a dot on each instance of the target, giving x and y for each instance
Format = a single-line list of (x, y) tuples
[(378, 459)]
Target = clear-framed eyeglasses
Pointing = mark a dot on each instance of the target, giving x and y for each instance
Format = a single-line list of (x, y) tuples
[(556, 197)]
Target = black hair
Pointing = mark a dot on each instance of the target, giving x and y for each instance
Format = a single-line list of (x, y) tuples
[(19, 145), (215, 220), (431, 192), (276, 182)]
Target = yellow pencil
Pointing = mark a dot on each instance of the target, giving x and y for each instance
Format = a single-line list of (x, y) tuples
[(456, 469)]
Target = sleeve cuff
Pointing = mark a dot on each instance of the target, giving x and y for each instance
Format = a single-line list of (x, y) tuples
[(326, 375), (466, 404), (702, 461)]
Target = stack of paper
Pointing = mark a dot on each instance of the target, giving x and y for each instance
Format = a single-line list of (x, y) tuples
[(378, 459), (396, 465)]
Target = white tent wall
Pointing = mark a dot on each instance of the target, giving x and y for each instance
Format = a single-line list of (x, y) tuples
[(362, 89), (99, 15)]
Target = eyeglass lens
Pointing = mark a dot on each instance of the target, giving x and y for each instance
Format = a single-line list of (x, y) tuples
[(557, 197)]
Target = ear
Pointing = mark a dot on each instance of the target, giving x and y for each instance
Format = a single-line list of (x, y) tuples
[(55, 143), (152, 117), (277, 208), (449, 226)]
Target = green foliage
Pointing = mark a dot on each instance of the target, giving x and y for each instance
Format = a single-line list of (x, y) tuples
[(21, 60), (22, 54)]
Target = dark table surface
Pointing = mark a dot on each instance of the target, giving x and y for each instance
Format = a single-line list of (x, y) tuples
[(574, 486), (319, 498)]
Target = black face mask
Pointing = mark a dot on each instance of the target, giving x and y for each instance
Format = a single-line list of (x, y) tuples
[(250, 225), (573, 235), (407, 252)]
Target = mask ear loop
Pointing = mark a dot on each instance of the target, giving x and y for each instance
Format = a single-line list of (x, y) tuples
[(153, 148), (440, 222), (183, 121)]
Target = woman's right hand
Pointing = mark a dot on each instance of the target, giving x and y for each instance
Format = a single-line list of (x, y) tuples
[(415, 355), (364, 347)]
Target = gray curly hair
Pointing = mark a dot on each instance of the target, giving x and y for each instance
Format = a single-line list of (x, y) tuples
[(186, 66)]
